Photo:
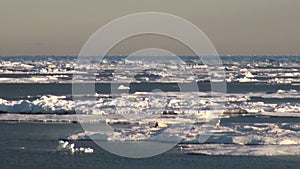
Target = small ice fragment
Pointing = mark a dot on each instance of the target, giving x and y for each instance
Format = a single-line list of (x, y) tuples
[(88, 150), (122, 87), (70, 146), (62, 144), (65, 144), (72, 151), (161, 124)]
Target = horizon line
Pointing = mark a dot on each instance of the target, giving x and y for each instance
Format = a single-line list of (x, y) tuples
[(153, 55)]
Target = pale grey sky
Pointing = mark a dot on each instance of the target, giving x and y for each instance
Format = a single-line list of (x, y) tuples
[(236, 27)]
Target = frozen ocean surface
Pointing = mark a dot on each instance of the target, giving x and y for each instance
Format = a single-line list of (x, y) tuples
[(256, 123)]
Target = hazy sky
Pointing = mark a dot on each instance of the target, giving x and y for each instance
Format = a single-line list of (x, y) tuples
[(236, 27)]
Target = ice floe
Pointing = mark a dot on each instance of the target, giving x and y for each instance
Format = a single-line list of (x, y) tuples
[(159, 103), (46, 104), (248, 139), (240, 150)]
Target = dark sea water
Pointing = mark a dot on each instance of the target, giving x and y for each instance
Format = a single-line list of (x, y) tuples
[(22, 90), (33, 145)]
